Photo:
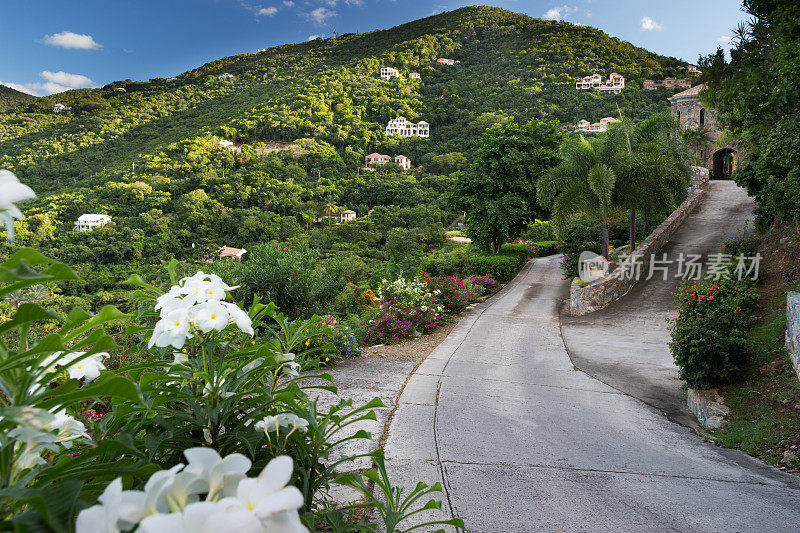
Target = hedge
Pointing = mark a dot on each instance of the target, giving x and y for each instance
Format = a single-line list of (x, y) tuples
[(465, 261), (547, 248)]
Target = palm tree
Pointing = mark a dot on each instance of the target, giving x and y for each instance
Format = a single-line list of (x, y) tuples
[(697, 137), (650, 161), (582, 182), (329, 210)]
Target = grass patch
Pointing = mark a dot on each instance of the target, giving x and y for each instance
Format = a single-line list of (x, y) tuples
[(764, 400)]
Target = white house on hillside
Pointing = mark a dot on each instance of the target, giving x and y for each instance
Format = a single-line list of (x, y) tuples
[(90, 221), (587, 82), (447, 61), (400, 126), (414, 76), (388, 73), (376, 159), (230, 252), (615, 84), (60, 108), (120, 90), (226, 76), (402, 161), (596, 127)]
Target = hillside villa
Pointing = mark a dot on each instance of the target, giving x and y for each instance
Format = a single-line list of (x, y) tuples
[(226, 76), (388, 73), (595, 127), (60, 108), (614, 84), (90, 221), (225, 144), (447, 61), (400, 126), (228, 252), (380, 159), (684, 83), (414, 76)]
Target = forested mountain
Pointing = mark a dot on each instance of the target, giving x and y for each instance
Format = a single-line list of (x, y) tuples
[(11, 98), (148, 156)]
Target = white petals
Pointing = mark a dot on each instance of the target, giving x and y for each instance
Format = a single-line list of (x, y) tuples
[(196, 304), (286, 420), (12, 191), (169, 502)]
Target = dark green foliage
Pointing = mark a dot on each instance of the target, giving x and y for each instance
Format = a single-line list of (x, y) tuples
[(708, 337), (500, 196), (757, 98), (11, 99), (548, 248), (468, 261)]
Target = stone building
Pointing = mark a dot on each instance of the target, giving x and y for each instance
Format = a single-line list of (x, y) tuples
[(719, 158)]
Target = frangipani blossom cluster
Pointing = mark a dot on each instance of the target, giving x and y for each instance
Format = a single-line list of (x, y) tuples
[(171, 503), (283, 420), (196, 304)]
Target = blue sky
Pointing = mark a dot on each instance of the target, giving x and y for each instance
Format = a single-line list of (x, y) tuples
[(52, 45)]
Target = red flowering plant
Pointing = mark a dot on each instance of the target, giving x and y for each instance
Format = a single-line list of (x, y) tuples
[(453, 293), (708, 335)]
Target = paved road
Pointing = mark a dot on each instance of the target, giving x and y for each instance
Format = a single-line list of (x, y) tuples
[(523, 441), (632, 355)]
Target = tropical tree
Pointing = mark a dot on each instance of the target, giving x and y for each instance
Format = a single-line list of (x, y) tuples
[(500, 195), (582, 182), (329, 210), (650, 160), (697, 137)]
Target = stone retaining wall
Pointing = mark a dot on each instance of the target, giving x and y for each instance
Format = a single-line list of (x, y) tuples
[(599, 293), (708, 407), (793, 329)]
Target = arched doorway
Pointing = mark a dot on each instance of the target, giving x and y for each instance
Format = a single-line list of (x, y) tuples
[(724, 163)]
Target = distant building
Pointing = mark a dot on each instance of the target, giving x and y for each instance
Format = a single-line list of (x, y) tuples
[(120, 90), (402, 161), (447, 61), (691, 69), (376, 159), (587, 82), (60, 108), (338, 218), (388, 73), (347, 215), (228, 145), (414, 76), (90, 221), (596, 127), (226, 76), (683, 83), (233, 253), (614, 84), (172, 79), (400, 126)]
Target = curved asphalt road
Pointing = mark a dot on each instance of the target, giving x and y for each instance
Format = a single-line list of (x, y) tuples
[(523, 441)]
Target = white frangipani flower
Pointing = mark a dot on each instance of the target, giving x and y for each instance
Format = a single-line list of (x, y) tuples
[(68, 428), (286, 420), (12, 191), (88, 367), (211, 316), (171, 330), (203, 517), (270, 499), (214, 471)]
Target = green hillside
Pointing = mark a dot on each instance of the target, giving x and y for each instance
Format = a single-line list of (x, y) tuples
[(511, 65), (149, 158), (11, 98)]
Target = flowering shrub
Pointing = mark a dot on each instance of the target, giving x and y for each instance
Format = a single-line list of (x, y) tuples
[(708, 335), (411, 300), (486, 281), (388, 328), (453, 293), (333, 342)]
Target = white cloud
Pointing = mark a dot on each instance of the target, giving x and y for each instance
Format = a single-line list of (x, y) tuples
[(558, 12), (18, 87), (267, 11), (68, 39), (74, 81), (724, 39), (648, 24), (354, 2), (321, 15), (56, 82), (312, 37), (288, 3)]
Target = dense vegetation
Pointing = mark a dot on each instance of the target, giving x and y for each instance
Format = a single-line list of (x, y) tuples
[(10, 98), (758, 99), (148, 156)]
